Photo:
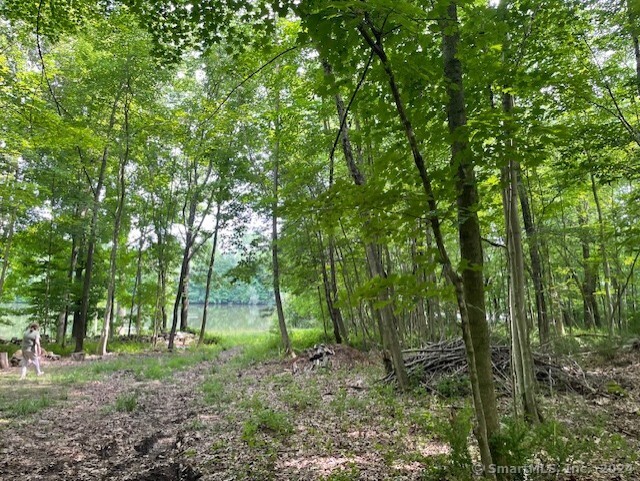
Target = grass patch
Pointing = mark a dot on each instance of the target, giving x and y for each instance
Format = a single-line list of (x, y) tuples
[(268, 421), (127, 402), (29, 405), (214, 391)]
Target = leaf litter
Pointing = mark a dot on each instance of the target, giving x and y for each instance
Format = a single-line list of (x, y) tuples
[(282, 419)]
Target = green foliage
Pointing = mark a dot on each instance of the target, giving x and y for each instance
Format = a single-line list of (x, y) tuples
[(127, 402), (29, 405), (214, 391), (266, 421), (350, 473), (454, 386)]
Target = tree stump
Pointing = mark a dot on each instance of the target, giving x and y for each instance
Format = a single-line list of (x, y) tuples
[(4, 360)]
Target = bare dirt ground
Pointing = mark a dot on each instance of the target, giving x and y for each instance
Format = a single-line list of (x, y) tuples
[(226, 420)]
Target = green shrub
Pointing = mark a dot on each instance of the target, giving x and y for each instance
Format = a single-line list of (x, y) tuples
[(454, 386)]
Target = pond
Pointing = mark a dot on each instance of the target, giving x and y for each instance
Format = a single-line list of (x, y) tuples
[(219, 318)]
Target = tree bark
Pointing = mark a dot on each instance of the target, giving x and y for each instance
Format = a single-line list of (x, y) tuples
[(477, 336), (184, 270), (136, 285), (469, 287), (4, 360), (212, 261), (102, 346), (91, 246), (284, 334), (608, 308), (633, 12), (591, 311), (184, 300), (537, 271), (385, 311), (6, 252), (521, 357)]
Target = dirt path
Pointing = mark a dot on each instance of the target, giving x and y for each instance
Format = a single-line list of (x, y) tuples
[(270, 420), (86, 438)]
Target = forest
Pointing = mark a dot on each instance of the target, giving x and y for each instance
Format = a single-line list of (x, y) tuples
[(434, 205)]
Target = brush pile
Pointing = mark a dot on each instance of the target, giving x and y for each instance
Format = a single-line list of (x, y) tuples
[(447, 359)]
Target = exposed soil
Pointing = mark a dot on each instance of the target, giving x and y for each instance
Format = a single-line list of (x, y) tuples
[(271, 420)]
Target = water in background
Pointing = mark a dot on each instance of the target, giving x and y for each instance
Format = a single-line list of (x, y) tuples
[(231, 318), (219, 318)]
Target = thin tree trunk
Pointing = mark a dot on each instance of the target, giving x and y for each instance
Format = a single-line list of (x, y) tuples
[(588, 287), (6, 252), (184, 270), (477, 333), (284, 334), (521, 358), (212, 261), (91, 245), (633, 13), (470, 287), (79, 269), (609, 310), (176, 304), (102, 347), (136, 285), (537, 272), (336, 313), (384, 312), (328, 294), (184, 300)]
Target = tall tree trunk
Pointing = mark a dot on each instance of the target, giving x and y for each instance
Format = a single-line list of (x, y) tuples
[(162, 274), (184, 300), (176, 304), (64, 313), (8, 238), (477, 337), (384, 312), (212, 261), (136, 285), (608, 308), (521, 358), (335, 312), (469, 287), (633, 13), (108, 312), (184, 270), (284, 334), (91, 246), (6, 252), (591, 311), (470, 300), (328, 294), (79, 269), (91, 243), (537, 271)]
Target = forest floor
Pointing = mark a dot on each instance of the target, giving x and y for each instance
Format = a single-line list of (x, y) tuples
[(223, 415)]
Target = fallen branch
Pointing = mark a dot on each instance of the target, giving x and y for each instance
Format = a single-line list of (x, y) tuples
[(446, 359)]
